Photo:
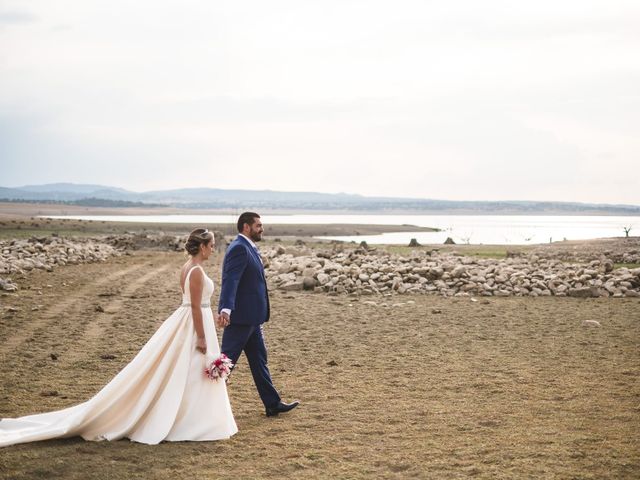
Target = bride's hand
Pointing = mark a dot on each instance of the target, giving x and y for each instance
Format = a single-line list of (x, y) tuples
[(201, 345)]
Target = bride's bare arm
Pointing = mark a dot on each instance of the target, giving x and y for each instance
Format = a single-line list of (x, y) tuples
[(196, 281)]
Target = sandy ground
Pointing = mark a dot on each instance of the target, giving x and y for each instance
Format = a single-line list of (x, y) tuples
[(430, 387)]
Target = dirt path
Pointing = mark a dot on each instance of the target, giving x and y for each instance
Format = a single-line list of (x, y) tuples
[(76, 297), (116, 306), (411, 387)]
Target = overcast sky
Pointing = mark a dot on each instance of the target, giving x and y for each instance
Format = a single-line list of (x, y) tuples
[(460, 100)]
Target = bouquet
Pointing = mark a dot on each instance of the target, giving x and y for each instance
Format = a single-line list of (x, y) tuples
[(219, 368)]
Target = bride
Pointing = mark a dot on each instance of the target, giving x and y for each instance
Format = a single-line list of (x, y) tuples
[(163, 394)]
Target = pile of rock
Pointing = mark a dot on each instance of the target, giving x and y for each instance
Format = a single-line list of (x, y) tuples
[(146, 240), (19, 256), (156, 241), (586, 254), (364, 272)]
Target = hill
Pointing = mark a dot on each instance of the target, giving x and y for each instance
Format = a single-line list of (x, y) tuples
[(210, 198)]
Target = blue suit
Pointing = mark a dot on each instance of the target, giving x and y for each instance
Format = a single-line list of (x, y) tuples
[(244, 292)]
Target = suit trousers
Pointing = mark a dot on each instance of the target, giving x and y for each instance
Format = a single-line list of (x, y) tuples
[(249, 338)]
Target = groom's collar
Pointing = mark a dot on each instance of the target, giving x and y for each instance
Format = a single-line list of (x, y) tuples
[(248, 240)]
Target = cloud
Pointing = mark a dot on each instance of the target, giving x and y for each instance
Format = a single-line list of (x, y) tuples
[(17, 17)]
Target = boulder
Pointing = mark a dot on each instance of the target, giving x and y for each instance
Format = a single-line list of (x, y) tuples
[(584, 292), (308, 283), (292, 286), (309, 272), (458, 271), (7, 286)]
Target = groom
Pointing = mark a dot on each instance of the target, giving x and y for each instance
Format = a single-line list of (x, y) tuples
[(244, 307)]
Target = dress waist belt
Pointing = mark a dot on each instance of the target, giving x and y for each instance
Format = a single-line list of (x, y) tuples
[(203, 305)]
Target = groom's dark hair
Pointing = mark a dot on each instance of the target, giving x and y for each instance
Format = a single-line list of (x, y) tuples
[(247, 217)]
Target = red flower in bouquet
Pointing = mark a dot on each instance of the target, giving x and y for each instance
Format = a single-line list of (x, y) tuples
[(219, 368)]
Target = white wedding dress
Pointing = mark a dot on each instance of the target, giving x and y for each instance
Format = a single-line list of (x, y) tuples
[(162, 395)]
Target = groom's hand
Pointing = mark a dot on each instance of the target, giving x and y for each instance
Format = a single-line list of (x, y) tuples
[(224, 319)]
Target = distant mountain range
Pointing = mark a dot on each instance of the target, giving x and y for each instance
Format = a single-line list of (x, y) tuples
[(210, 198)]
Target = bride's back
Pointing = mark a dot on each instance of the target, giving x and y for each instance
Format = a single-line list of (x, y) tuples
[(188, 269)]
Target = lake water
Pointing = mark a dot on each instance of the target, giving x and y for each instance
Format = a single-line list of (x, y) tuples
[(473, 229)]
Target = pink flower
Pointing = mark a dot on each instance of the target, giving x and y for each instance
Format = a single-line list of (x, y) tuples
[(219, 368)]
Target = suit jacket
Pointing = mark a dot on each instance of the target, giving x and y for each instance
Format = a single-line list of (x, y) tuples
[(244, 288)]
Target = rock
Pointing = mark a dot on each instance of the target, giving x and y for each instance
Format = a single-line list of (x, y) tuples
[(308, 283), (449, 241), (458, 271), (7, 286), (435, 273), (107, 356), (292, 286), (309, 272), (49, 393), (414, 243), (591, 323), (583, 292), (99, 309), (53, 356)]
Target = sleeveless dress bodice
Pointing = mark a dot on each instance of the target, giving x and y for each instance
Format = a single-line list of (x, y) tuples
[(207, 289)]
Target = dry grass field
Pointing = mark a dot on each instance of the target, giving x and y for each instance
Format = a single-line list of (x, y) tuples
[(421, 387)]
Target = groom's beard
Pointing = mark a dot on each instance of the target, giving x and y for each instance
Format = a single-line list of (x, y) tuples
[(255, 236)]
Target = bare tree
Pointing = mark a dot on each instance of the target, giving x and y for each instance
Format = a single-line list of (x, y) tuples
[(626, 231)]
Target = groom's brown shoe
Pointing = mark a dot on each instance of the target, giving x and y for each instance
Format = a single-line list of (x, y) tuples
[(281, 408)]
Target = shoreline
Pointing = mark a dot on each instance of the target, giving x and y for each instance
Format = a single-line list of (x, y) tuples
[(25, 226), (22, 220), (19, 219), (12, 209)]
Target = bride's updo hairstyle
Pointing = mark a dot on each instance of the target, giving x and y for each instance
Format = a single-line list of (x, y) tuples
[(200, 236)]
